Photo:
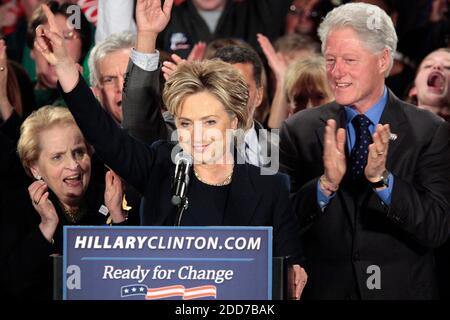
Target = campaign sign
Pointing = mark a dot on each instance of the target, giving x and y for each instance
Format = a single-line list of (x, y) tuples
[(181, 263)]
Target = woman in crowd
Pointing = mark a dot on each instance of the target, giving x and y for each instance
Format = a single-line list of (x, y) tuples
[(307, 85), (54, 152)]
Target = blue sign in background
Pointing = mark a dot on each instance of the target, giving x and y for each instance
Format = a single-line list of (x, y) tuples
[(246, 251)]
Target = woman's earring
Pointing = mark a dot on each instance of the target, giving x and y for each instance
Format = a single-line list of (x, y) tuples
[(38, 177)]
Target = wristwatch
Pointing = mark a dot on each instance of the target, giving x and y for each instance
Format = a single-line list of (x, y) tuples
[(383, 182)]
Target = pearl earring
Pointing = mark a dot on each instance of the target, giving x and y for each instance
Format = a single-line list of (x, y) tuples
[(38, 177)]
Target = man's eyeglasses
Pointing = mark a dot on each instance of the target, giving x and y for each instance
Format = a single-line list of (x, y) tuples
[(293, 10)]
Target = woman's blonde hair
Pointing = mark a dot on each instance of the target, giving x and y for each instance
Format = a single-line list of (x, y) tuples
[(217, 78), (308, 75), (40, 120)]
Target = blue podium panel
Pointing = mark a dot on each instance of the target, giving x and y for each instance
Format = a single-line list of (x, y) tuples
[(181, 263)]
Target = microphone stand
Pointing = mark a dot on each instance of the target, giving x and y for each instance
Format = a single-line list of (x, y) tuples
[(184, 203)]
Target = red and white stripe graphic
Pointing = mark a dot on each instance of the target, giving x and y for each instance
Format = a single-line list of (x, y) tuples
[(181, 291)]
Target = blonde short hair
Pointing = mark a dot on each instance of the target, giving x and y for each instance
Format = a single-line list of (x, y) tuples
[(42, 119), (217, 78), (307, 75)]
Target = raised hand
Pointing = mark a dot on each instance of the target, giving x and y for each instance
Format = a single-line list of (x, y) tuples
[(49, 40), (169, 67), (198, 52), (38, 191), (276, 61), (50, 43), (378, 150), (113, 196), (333, 157), (150, 17)]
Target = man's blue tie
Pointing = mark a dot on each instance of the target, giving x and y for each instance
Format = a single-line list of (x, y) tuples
[(358, 156)]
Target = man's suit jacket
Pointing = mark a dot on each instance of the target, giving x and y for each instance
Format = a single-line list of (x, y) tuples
[(357, 233), (143, 120), (254, 199)]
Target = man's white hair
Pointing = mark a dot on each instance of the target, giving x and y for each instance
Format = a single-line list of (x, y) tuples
[(113, 43), (371, 23)]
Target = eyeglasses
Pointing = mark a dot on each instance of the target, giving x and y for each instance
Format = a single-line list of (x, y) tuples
[(70, 35), (301, 100), (293, 10)]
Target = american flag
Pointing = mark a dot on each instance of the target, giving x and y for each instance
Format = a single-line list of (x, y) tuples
[(169, 291)]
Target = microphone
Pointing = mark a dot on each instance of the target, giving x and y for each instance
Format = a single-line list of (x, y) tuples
[(181, 179)]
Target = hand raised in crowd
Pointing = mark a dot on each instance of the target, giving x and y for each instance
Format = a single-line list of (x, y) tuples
[(334, 161), (169, 67), (151, 19), (297, 279), (197, 54), (38, 191), (113, 196), (279, 109), (51, 44), (277, 62), (378, 150), (5, 106)]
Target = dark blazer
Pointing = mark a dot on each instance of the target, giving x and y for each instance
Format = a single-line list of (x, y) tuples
[(356, 230), (254, 199), (141, 106)]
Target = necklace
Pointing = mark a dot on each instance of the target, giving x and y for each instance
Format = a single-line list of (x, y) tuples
[(223, 183), (73, 215)]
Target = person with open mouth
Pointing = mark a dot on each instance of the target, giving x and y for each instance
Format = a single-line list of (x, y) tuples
[(432, 83)]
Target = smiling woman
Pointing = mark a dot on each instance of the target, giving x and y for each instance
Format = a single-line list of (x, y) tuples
[(209, 102)]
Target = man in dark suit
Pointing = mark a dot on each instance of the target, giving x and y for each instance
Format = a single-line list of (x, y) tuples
[(372, 196)]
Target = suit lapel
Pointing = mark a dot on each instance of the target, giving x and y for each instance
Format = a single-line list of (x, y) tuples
[(243, 198), (333, 111)]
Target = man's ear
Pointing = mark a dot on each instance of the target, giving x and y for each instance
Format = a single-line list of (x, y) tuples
[(412, 92), (80, 68), (97, 93), (385, 59), (259, 96), (234, 123)]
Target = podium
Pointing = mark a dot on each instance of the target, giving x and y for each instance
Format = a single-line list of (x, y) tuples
[(179, 263), (279, 278)]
